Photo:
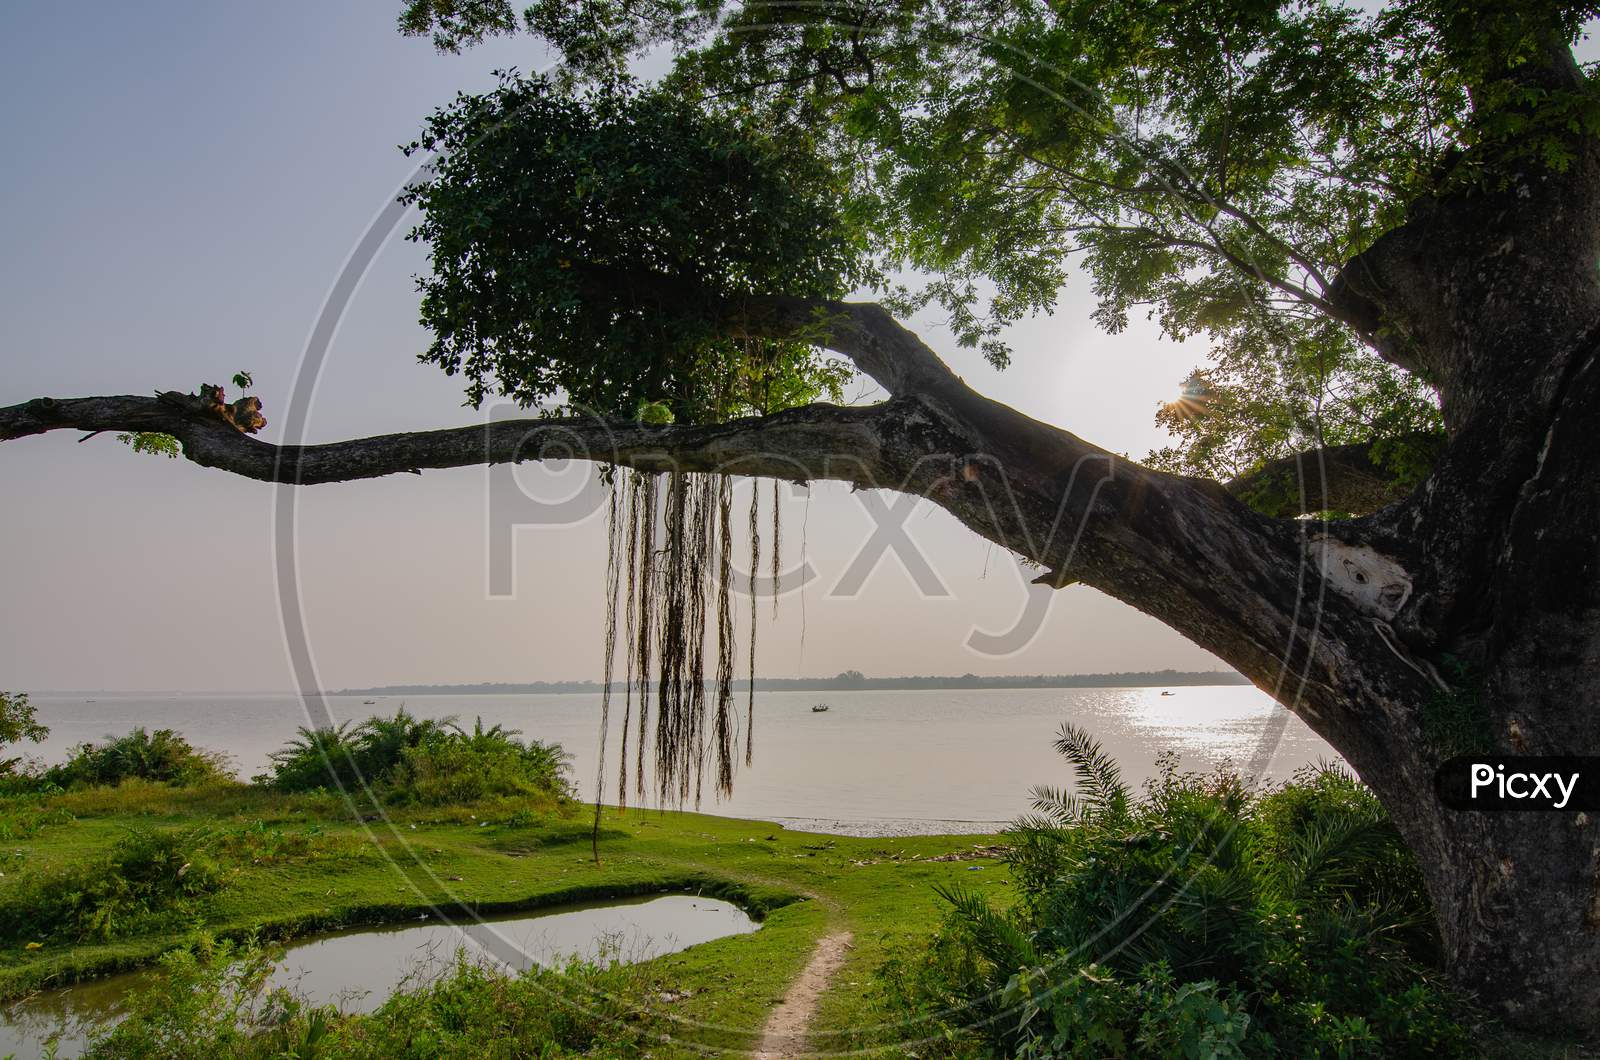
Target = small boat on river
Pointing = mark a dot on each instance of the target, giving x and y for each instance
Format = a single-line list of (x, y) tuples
[(819, 708)]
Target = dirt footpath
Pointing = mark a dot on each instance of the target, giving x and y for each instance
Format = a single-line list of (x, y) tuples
[(784, 1036)]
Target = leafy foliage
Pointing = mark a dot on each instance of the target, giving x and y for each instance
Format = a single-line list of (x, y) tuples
[(18, 722), (216, 1001), (209, 1001), (28, 808), (152, 442), (1198, 920), (163, 755), (149, 880), (1211, 166), (406, 759), (323, 757), (1264, 402), (598, 251), (1456, 721), (483, 764)]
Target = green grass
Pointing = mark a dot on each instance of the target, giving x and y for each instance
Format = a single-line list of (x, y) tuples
[(298, 864)]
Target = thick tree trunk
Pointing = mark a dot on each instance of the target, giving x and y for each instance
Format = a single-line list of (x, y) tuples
[(1495, 297)]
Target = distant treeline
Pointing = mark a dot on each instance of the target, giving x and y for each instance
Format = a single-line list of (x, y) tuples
[(850, 679)]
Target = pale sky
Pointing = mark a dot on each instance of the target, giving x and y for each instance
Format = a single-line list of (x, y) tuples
[(183, 185)]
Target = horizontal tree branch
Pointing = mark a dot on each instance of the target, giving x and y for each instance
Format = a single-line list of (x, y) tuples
[(798, 444), (1182, 550)]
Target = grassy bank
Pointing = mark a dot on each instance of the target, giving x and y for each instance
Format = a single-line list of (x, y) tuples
[(1196, 916), (293, 864)]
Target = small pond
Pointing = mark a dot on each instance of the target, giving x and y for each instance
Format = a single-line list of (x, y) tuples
[(358, 969)]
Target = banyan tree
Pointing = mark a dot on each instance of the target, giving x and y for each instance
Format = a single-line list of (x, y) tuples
[(1381, 225)]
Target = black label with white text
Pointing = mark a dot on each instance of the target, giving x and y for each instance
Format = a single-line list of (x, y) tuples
[(1519, 782)]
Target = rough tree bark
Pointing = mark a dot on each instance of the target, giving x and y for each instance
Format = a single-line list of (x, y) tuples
[(1476, 595)]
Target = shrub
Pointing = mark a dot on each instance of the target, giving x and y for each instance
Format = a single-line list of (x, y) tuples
[(210, 1001), (148, 880), (325, 757), (579, 1010), (347, 755), (24, 816), (482, 764), (17, 722), (406, 760), (1198, 920), (163, 756)]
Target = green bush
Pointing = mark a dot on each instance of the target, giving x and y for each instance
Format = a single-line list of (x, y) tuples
[(349, 755), (162, 756), (326, 757), (24, 816), (212, 1001), (17, 722), (1198, 920), (483, 764), (407, 760), (147, 881), (1092, 1014)]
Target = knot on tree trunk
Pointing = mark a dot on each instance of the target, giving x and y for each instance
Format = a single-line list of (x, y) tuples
[(1375, 583)]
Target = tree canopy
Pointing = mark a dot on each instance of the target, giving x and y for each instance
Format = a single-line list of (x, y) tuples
[(589, 248), (1209, 165)]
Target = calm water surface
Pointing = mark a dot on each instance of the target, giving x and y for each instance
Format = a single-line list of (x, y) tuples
[(357, 970), (881, 762)]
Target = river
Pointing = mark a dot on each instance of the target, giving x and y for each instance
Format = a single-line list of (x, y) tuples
[(876, 763)]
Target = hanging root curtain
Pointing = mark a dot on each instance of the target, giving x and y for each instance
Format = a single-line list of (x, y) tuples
[(669, 591)]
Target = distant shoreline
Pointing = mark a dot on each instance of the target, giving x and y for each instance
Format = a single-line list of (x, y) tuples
[(843, 682)]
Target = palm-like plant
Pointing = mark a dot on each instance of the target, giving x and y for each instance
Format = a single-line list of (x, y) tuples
[(384, 741), (549, 760), (325, 756), (495, 737), (327, 741), (1101, 793)]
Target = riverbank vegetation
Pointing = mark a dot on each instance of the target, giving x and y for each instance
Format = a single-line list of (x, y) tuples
[(1194, 918), (206, 877), (405, 759), (214, 1001), (163, 756)]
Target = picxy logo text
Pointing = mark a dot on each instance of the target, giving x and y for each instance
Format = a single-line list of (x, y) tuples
[(1519, 782)]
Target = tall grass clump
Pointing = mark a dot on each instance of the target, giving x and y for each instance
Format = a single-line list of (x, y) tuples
[(24, 815), (1196, 919), (408, 760), (147, 881), (163, 756)]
